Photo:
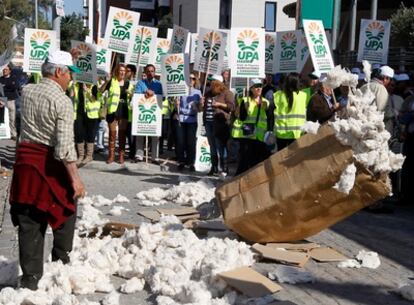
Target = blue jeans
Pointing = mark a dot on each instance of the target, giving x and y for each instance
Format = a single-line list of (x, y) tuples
[(218, 147), (100, 135), (186, 143)]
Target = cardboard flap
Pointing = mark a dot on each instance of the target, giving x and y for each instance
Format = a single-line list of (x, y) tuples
[(325, 254), (150, 214), (283, 256), (250, 282), (178, 211), (303, 246)]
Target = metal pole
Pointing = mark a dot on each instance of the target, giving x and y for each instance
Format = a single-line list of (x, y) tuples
[(36, 15), (336, 24), (56, 23), (298, 14), (374, 9), (352, 26)]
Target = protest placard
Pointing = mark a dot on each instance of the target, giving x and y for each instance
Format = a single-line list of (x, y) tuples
[(103, 60), (86, 62), (210, 51), (179, 40), (374, 39), (144, 49), (270, 53), (146, 115), (4, 121), (203, 157), (120, 29), (174, 74), (162, 48), (37, 46), (287, 51)]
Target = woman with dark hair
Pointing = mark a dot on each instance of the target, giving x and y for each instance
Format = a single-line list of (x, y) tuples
[(290, 111), (120, 92)]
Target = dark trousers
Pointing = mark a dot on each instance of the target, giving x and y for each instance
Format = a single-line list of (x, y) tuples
[(282, 143), (218, 144), (32, 225), (251, 153), (85, 129), (186, 142), (407, 172), (131, 141)]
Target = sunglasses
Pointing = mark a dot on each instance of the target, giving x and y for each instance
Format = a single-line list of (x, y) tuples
[(257, 86)]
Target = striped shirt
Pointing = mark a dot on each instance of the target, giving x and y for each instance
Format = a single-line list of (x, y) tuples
[(47, 118), (209, 111)]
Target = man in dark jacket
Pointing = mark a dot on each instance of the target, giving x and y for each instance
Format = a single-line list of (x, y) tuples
[(10, 87), (322, 105)]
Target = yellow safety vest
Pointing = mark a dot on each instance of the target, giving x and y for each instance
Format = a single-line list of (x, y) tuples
[(252, 111), (91, 105), (309, 92), (236, 131), (167, 108), (288, 123)]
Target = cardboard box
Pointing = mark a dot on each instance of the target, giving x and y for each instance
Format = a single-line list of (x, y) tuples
[(290, 196), (293, 258)]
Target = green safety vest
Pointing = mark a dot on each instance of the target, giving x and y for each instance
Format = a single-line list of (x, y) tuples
[(92, 105), (260, 127), (309, 92), (114, 96), (288, 123)]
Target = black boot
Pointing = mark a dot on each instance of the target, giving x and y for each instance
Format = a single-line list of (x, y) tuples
[(214, 166), (224, 167)]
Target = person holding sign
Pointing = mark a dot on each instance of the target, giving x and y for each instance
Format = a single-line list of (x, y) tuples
[(290, 111), (46, 182), (253, 115), (187, 109), (149, 86), (119, 94)]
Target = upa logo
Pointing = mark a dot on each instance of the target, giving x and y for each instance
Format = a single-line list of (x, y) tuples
[(270, 46), (248, 42), (85, 57), (40, 43), (163, 47), (205, 156), (288, 43), (146, 41), (101, 57), (375, 31), (316, 35), (175, 66), (304, 49), (147, 108), (178, 40), (122, 24), (210, 50)]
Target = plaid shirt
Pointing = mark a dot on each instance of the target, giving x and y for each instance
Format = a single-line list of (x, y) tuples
[(47, 118)]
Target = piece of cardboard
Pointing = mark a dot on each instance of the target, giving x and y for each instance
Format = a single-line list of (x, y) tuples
[(325, 254), (152, 215), (184, 218), (290, 196), (283, 303), (178, 211), (283, 256), (304, 246), (250, 282)]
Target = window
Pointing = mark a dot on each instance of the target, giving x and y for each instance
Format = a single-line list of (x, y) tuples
[(225, 14), (270, 16), (180, 14)]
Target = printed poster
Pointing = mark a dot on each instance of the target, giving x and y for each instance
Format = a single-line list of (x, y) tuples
[(374, 39), (120, 29), (203, 157), (86, 62), (303, 51), (37, 46), (174, 74), (318, 45), (193, 49), (248, 52), (162, 48), (145, 52), (287, 51), (226, 34), (270, 53), (103, 61), (146, 115), (179, 40), (239, 84), (4, 122), (210, 52)]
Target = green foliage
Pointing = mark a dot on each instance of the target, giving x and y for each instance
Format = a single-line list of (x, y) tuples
[(165, 23), (402, 27), (71, 28)]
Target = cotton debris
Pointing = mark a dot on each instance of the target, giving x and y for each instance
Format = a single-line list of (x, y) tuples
[(406, 291), (367, 259), (347, 180), (193, 193), (117, 210), (173, 261), (310, 127), (9, 271), (291, 275)]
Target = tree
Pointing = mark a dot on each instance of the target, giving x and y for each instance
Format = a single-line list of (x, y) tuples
[(71, 28), (402, 27)]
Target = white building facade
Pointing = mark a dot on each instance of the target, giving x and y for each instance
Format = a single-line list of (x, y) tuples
[(225, 14)]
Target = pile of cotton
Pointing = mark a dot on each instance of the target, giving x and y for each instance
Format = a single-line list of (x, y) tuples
[(186, 193)]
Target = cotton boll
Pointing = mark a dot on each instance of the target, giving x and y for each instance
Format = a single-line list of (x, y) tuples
[(368, 259), (66, 299), (406, 291), (120, 199), (111, 299), (116, 210), (87, 302), (347, 180), (310, 127), (9, 271), (367, 70), (132, 285), (291, 275), (349, 263)]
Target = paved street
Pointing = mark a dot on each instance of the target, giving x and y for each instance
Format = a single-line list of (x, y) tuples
[(391, 235)]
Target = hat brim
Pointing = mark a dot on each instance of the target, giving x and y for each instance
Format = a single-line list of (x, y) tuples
[(312, 76), (74, 69)]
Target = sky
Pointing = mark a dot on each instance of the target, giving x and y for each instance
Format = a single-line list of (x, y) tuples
[(73, 6)]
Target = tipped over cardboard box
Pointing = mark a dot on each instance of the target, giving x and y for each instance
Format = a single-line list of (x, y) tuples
[(290, 196)]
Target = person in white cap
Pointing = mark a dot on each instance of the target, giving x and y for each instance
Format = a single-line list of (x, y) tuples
[(46, 182)]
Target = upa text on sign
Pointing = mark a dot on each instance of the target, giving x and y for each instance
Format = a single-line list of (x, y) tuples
[(270, 53), (318, 45), (120, 29), (146, 115), (86, 62), (374, 38), (144, 48), (174, 74), (287, 50), (179, 40), (162, 48), (103, 60), (248, 52), (37, 46), (210, 51), (203, 157)]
